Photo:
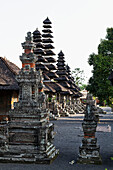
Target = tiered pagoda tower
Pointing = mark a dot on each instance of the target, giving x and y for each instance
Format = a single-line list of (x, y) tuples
[(29, 132), (73, 87), (75, 98), (48, 49), (63, 81), (61, 71), (68, 71), (46, 63), (39, 52)]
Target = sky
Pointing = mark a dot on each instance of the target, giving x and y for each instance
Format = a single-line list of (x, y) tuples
[(77, 25)]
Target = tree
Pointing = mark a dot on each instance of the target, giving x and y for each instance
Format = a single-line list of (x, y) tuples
[(79, 76), (83, 86), (102, 63)]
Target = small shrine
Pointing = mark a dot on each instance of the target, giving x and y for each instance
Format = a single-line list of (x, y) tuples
[(27, 133), (89, 151)]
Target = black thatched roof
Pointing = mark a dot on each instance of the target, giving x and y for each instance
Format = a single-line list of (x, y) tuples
[(76, 94), (48, 46), (61, 53), (78, 88), (41, 59), (69, 81), (51, 60), (68, 70), (48, 53), (37, 40), (51, 67), (39, 45), (45, 76), (61, 72), (60, 59), (51, 75), (47, 40), (36, 32), (61, 64), (47, 31), (47, 21), (48, 87), (36, 36), (39, 51), (65, 84), (56, 86), (72, 86), (8, 72), (47, 36), (41, 66), (62, 78), (67, 93), (61, 68)]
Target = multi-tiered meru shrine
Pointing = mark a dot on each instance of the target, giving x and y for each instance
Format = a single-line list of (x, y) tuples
[(27, 135), (62, 94)]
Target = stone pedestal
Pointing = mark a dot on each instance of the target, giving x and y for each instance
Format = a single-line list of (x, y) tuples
[(30, 136), (89, 151)]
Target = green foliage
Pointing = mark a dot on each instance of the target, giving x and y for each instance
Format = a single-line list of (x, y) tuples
[(49, 99), (78, 76), (83, 86), (109, 35), (102, 63)]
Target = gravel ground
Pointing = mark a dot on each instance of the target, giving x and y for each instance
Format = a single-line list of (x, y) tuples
[(67, 139)]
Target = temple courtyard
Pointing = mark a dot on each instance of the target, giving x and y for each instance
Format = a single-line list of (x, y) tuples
[(68, 137)]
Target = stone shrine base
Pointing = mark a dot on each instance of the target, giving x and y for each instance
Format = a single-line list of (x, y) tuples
[(27, 138), (27, 159), (89, 160)]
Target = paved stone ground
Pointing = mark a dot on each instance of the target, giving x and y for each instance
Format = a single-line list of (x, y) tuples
[(68, 138)]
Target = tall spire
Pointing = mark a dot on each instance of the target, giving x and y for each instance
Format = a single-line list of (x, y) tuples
[(48, 48), (61, 71), (73, 87), (38, 50)]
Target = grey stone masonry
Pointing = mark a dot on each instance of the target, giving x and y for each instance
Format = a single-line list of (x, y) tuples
[(89, 151), (29, 134)]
